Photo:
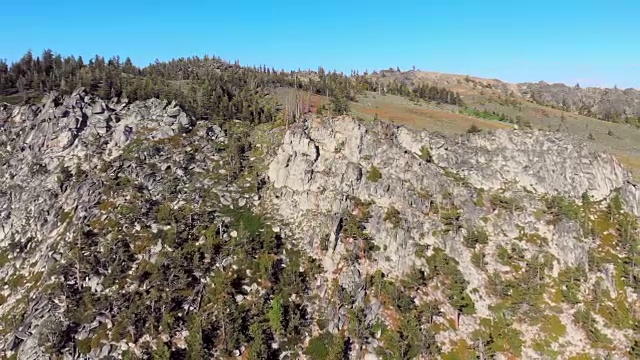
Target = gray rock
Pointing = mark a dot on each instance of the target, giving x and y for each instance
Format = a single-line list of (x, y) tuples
[(174, 112), (370, 355), (163, 132), (544, 162), (169, 121), (122, 135), (184, 120), (372, 310), (60, 112), (310, 185), (104, 351), (630, 194), (98, 107)]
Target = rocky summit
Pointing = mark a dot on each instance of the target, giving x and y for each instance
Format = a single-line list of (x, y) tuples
[(131, 230)]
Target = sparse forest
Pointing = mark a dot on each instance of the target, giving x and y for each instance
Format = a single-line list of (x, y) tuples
[(207, 87)]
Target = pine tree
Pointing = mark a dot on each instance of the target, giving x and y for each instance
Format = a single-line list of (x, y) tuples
[(161, 352), (276, 316), (194, 339)]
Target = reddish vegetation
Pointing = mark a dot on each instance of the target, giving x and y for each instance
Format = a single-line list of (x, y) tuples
[(404, 114), (419, 118), (315, 102), (393, 317)]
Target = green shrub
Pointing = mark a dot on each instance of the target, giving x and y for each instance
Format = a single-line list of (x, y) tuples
[(275, 316), (393, 217), (340, 105), (587, 322), (4, 257), (499, 336), (553, 327), (559, 206), (473, 129), (501, 201), (478, 259), (570, 279), (480, 198), (454, 176), (65, 216), (485, 114), (84, 345), (425, 154), (374, 174), (446, 267), (164, 214), (476, 236), (450, 219), (326, 346), (634, 349)]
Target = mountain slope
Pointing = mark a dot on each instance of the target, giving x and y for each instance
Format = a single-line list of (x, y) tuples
[(132, 230), (616, 105)]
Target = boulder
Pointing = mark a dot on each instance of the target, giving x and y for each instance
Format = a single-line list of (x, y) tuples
[(98, 107), (184, 120), (174, 112)]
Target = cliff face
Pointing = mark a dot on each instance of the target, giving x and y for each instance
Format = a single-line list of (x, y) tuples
[(325, 162), (424, 191), (114, 214)]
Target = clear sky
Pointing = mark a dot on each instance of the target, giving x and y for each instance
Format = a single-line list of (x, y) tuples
[(593, 42)]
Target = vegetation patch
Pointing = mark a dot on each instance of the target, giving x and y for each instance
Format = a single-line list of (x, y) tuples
[(392, 216), (446, 268), (326, 346), (504, 202), (374, 174), (475, 236), (552, 327), (425, 154), (584, 318)]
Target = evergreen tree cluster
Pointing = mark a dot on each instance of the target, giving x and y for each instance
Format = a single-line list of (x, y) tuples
[(425, 92), (206, 87)]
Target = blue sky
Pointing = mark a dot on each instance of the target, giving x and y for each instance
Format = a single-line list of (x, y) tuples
[(596, 43)]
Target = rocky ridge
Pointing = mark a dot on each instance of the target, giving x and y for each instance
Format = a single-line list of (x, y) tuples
[(608, 104)]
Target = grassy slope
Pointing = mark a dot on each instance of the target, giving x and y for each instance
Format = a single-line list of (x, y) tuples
[(421, 115)]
